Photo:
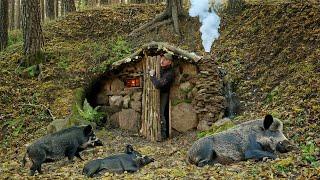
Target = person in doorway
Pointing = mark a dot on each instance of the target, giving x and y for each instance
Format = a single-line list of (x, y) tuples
[(163, 84)]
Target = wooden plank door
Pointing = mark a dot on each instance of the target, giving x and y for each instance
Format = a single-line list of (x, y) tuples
[(150, 118)]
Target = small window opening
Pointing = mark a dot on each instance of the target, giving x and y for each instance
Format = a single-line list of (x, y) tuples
[(133, 82)]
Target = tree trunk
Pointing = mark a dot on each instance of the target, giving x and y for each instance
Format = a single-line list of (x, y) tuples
[(17, 19), (4, 18), (62, 7), (69, 6), (104, 2), (11, 16), (50, 11), (150, 120), (32, 32), (56, 8), (42, 14)]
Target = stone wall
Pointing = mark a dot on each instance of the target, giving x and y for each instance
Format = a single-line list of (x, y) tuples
[(182, 94), (122, 104), (209, 99)]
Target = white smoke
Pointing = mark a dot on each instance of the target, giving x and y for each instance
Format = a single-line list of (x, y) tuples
[(209, 19)]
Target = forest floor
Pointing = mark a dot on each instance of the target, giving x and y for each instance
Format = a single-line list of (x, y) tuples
[(271, 53)]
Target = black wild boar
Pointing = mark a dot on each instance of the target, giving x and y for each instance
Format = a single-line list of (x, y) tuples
[(64, 143), (130, 161), (256, 139)]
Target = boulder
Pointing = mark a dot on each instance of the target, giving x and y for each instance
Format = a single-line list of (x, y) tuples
[(189, 69), (114, 120), (116, 86), (116, 101), (203, 125), (57, 125), (183, 117), (102, 99), (137, 96), (136, 105), (126, 101), (176, 93), (128, 119), (221, 122), (185, 87)]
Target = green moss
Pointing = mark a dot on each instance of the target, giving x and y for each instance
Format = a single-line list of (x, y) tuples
[(79, 97), (15, 37), (178, 101)]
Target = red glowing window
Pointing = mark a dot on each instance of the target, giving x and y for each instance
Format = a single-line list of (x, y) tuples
[(133, 82)]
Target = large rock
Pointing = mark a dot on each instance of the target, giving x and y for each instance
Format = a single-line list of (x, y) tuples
[(189, 69), (57, 125), (117, 86), (186, 86), (114, 120), (102, 99), (136, 105), (137, 96), (126, 101), (176, 93), (116, 101), (223, 121), (203, 126), (183, 117), (128, 119)]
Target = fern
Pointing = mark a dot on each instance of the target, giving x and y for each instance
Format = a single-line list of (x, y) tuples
[(89, 113)]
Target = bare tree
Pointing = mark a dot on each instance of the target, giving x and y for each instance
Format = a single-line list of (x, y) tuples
[(67, 6), (32, 31), (50, 12), (18, 14), (42, 13), (11, 14), (4, 24), (56, 8), (171, 14)]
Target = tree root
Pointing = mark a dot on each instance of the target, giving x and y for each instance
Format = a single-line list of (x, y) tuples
[(152, 27), (171, 14), (161, 17)]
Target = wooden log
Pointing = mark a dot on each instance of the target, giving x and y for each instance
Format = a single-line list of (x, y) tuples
[(150, 127)]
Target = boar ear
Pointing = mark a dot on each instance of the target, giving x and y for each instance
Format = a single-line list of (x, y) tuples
[(129, 149), (87, 130), (268, 120)]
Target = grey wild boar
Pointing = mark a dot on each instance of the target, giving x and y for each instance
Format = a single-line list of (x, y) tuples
[(130, 161), (64, 143), (256, 139)]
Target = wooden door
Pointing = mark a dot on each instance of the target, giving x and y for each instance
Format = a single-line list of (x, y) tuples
[(150, 118)]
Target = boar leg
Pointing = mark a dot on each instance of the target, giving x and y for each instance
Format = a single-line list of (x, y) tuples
[(71, 152), (37, 160), (77, 154), (258, 154), (36, 166), (92, 168)]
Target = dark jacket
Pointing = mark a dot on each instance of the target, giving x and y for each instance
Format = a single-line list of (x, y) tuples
[(166, 78)]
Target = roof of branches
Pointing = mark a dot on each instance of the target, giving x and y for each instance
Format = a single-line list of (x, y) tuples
[(157, 48)]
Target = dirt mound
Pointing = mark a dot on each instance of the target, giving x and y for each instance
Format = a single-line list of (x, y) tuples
[(103, 22), (272, 54)]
